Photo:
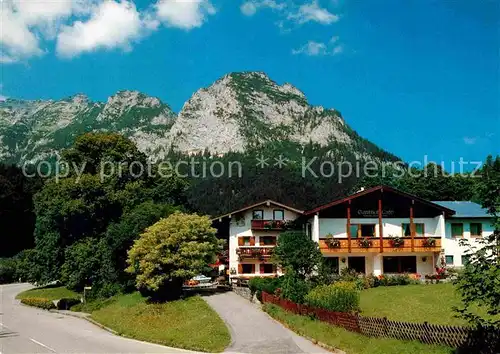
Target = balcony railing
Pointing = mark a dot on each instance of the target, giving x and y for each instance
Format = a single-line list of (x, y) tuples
[(268, 224), (254, 252), (372, 245)]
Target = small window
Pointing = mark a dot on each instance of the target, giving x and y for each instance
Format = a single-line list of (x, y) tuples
[(419, 229), (368, 230), (246, 241), (278, 215), (268, 268), (449, 260), (457, 230), (465, 259), (258, 215), (247, 268), (476, 229), (354, 230), (268, 240)]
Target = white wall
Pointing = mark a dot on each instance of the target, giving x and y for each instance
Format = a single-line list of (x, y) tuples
[(243, 228), (391, 226), (452, 246)]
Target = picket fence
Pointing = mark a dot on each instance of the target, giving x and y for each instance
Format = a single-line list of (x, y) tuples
[(452, 336)]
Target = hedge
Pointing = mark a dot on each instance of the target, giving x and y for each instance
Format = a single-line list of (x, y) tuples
[(42, 303)]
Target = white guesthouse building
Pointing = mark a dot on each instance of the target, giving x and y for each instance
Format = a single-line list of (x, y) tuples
[(377, 230)]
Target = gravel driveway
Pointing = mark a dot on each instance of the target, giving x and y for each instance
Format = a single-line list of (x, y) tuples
[(253, 331)]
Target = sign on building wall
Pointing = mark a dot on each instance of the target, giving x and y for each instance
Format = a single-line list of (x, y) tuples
[(373, 213)]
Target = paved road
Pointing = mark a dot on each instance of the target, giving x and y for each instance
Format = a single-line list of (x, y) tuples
[(29, 330), (253, 331)]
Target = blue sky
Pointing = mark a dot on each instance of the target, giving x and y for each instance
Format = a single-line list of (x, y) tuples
[(417, 77)]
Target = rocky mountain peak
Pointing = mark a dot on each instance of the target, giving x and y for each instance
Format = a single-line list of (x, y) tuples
[(246, 109), (241, 110)]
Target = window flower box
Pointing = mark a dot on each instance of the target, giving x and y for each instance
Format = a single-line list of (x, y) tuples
[(332, 242), (429, 242), (397, 241), (365, 243)]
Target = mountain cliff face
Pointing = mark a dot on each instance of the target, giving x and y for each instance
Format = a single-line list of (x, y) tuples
[(31, 131), (237, 112)]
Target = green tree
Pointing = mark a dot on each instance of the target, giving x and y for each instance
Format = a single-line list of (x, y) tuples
[(121, 235), (93, 151), (479, 284), (298, 253), (87, 263), (172, 250), (16, 203)]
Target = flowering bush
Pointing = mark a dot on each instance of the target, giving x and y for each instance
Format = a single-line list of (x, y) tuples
[(341, 296)]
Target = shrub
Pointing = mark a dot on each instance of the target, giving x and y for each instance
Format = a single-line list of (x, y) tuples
[(400, 279), (258, 284), (42, 303), (8, 269), (367, 282), (294, 288), (67, 303), (341, 296), (348, 274)]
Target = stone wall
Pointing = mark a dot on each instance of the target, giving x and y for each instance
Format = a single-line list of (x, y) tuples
[(244, 292)]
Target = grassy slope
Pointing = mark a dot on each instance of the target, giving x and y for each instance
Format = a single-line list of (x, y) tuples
[(189, 324), (352, 343), (50, 293), (413, 303)]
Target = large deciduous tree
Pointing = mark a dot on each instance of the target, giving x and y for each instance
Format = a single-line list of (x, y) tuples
[(172, 250), (86, 222)]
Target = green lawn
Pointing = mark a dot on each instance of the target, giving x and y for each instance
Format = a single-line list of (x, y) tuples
[(189, 324), (351, 343), (413, 303), (49, 293)]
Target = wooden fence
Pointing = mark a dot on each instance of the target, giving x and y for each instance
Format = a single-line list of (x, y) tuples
[(484, 341)]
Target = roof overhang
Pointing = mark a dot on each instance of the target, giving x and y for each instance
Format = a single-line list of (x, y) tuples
[(267, 203), (380, 188)]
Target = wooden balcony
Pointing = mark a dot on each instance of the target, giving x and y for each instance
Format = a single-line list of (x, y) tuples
[(268, 224), (254, 252), (372, 245)]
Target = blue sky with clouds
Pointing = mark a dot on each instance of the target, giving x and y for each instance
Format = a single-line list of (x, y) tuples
[(417, 77)]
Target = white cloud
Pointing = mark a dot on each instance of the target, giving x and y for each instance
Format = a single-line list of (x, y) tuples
[(111, 24), (185, 14), (16, 39), (47, 16), (86, 25), (313, 12), (313, 48), (249, 8), (469, 140)]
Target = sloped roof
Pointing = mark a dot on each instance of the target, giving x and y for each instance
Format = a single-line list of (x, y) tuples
[(378, 188), (465, 209), (265, 202)]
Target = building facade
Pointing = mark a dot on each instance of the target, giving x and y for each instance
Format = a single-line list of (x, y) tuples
[(376, 231)]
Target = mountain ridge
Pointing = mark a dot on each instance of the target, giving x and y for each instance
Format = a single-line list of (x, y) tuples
[(239, 111)]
